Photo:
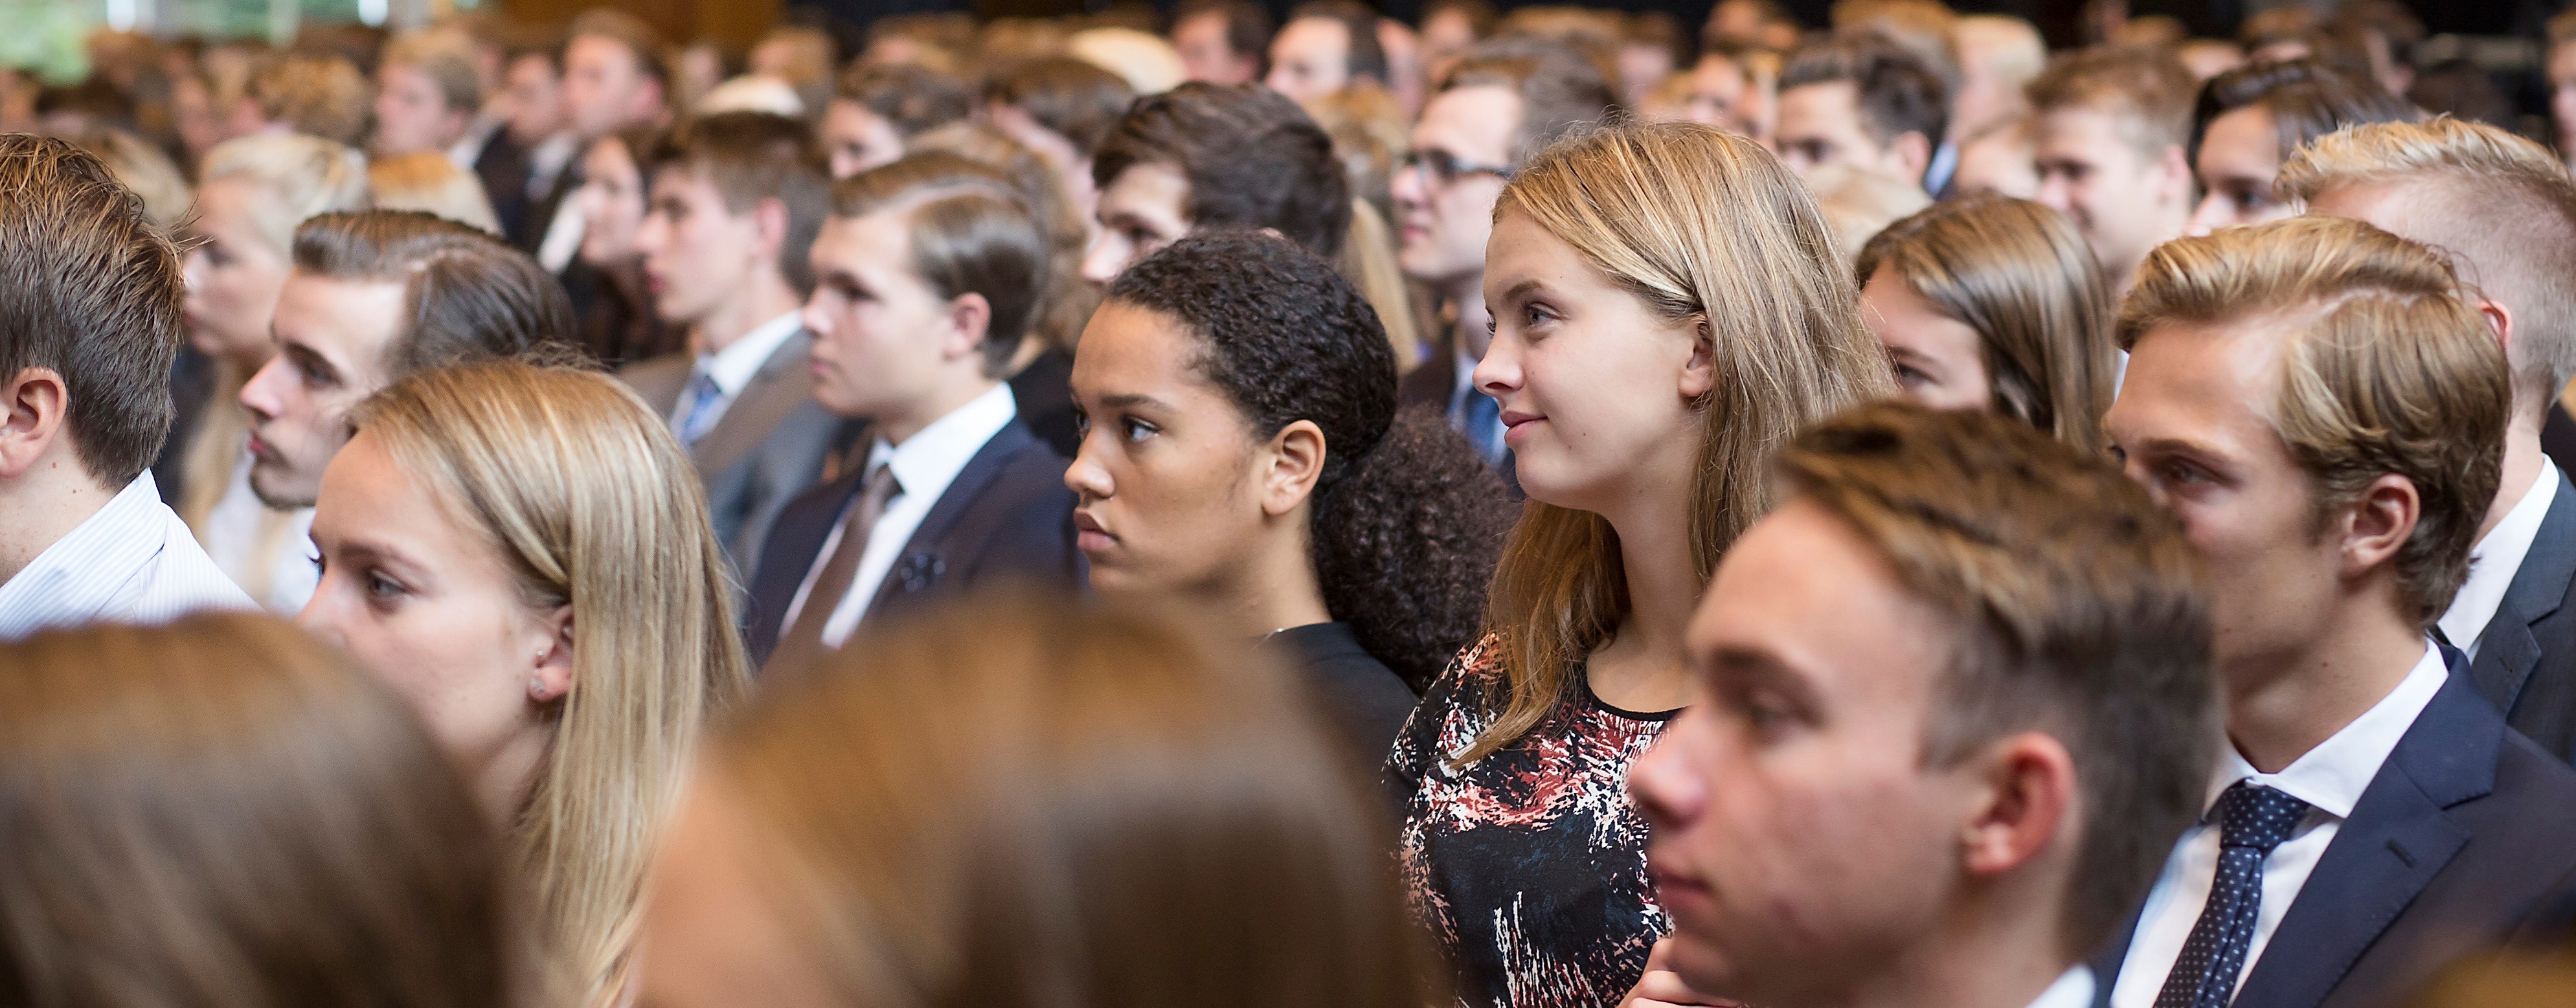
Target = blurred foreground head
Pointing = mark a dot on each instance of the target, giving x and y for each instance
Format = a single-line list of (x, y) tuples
[(1012, 803), (223, 812)]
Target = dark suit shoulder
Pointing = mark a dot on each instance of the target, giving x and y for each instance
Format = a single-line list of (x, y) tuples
[(659, 379)]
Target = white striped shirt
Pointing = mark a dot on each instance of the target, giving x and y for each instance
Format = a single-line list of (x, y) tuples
[(132, 562)]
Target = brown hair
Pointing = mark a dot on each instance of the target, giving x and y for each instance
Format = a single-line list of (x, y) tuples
[(1364, 56), (1252, 158), (1077, 100), (223, 811), (652, 54), (753, 156), (1561, 93), (2307, 100), (89, 288), (318, 94), (2148, 90), (1067, 301), (1893, 89), (2020, 275), (2385, 371), (1700, 225), (1132, 817), (2080, 611), (1247, 25), (971, 232), (467, 294), (447, 58), (911, 97)]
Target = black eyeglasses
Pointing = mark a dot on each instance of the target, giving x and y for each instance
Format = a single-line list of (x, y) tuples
[(1439, 167)]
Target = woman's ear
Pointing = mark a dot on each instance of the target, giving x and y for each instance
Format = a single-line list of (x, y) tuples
[(552, 678), (1699, 373), (1289, 466)]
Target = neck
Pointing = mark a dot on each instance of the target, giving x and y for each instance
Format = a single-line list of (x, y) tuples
[(2522, 458), (1275, 587), (2283, 704), (39, 508), (767, 297), (1984, 956), (1641, 666), (508, 775), (1468, 294), (897, 426)]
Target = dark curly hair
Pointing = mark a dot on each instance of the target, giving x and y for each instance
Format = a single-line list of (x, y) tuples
[(1252, 157), (1407, 520)]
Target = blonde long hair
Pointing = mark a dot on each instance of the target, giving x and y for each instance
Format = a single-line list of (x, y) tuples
[(1704, 226), (591, 503)]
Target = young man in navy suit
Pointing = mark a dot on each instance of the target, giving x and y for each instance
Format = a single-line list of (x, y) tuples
[(927, 275), (2325, 412), (2506, 208)]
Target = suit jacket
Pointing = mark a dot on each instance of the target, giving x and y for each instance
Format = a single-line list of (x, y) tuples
[(768, 447), (2526, 662), (1007, 516), (2465, 839), (503, 168)]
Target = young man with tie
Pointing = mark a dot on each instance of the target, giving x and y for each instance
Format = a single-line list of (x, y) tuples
[(928, 274), (2326, 414)]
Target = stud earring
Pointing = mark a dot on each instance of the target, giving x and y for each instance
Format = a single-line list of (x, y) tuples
[(536, 688)]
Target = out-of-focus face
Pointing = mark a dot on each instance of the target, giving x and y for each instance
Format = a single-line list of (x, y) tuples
[(331, 341), (1442, 222), (857, 139), (192, 112), (412, 114), (1144, 209), (1939, 361), (233, 275), (1999, 162), (698, 253), (1799, 841), (2239, 157), (1206, 55), (881, 335), (1446, 35), (535, 97), (1167, 488), (717, 937), (604, 90), (2189, 425), (1596, 389), (1310, 58), (2124, 201), (1718, 91), (1641, 67), (426, 603), (612, 203), (2562, 94), (1820, 125)]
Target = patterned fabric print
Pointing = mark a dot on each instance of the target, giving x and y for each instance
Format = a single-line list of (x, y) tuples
[(1529, 865)]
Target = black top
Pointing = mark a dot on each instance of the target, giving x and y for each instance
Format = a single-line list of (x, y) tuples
[(1364, 699), (1044, 392)]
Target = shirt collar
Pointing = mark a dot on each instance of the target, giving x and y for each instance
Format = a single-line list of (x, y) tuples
[(928, 461), (83, 572), (2496, 559), (2073, 989), (733, 366), (2332, 776)]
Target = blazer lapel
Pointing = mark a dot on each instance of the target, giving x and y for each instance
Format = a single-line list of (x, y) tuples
[(925, 559), (2398, 838), (781, 385), (2507, 650)]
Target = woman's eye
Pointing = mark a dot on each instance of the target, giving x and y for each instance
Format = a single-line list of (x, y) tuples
[(383, 588), (1911, 378), (1138, 430), (1082, 423)]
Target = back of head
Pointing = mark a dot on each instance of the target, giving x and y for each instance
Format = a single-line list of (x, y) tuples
[(971, 231), (2385, 370), (1132, 817), (750, 157), (589, 502), (910, 97), (2009, 48), (90, 289), (2080, 611), (294, 176), (1859, 201), (468, 295), (2020, 275), (140, 166), (1366, 56), (223, 811), (2502, 205), (1925, 29), (314, 93), (1894, 90), (1561, 93), (1076, 100), (1252, 159), (430, 182), (2306, 99), (2147, 91)]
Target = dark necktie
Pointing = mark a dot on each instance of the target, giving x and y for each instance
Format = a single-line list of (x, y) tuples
[(2252, 820), (804, 638), (2453, 659), (701, 414)]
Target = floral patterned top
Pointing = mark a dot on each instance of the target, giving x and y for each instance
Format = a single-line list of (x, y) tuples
[(1529, 865)]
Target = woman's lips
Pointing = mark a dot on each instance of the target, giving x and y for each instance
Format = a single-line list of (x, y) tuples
[(1089, 536), (1517, 426)]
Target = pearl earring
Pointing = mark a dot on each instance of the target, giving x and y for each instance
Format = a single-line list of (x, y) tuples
[(536, 688)]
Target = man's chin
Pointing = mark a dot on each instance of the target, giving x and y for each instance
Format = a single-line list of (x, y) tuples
[(279, 498)]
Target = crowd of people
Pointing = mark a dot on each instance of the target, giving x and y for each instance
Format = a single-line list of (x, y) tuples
[(1542, 509)]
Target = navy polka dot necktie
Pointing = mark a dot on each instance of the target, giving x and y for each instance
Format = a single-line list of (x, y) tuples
[(2252, 820)]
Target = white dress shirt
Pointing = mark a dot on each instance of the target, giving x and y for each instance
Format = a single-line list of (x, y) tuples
[(2073, 989), (132, 562), (2330, 778), (733, 366), (2494, 562), (923, 465), (267, 552)]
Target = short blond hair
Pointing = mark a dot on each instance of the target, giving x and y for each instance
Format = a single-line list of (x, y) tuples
[(429, 181), (315, 94), (2386, 369), (2148, 90), (2503, 206), (297, 177)]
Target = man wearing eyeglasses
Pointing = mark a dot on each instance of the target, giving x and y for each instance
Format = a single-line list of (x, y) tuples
[(1502, 103)]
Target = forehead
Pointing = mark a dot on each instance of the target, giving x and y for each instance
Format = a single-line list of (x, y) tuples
[(1314, 33), (867, 244), (1128, 349), (1473, 119), (2380, 203), (2208, 383), (599, 51), (1835, 97), (1522, 252), (2242, 133), (1149, 188), (2086, 133), (1791, 588), (345, 319)]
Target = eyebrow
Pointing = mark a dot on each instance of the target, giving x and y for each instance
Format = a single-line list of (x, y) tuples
[(1524, 287), (308, 356), (1130, 400)]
